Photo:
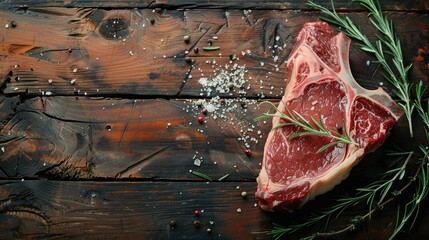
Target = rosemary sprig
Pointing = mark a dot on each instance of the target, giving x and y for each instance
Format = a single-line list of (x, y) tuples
[(411, 209), (374, 192), (388, 39), (293, 118)]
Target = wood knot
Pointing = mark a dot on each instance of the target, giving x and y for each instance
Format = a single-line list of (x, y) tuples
[(114, 29)]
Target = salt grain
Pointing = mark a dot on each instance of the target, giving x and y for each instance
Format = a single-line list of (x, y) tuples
[(197, 162)]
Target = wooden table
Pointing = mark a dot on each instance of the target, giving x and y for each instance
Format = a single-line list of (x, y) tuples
[(99, 116)]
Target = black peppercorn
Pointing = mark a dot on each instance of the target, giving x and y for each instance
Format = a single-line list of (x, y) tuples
[(172, 223), (197, 223)]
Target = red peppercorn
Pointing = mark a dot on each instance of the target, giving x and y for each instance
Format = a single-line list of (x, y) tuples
[(248, 152), (222, 101), (201, 119), (197, 213)]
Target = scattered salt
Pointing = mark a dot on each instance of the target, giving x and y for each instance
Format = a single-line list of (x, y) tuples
[(197, 162)]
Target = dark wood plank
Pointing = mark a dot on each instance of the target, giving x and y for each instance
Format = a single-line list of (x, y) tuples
[(144, 210), (119, 52), (202, 4), (68, 137)]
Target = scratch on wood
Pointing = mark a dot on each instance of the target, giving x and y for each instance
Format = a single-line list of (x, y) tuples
[(127, 124), (139, 165), (185, 80)]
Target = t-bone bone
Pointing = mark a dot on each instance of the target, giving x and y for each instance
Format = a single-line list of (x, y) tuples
[(320, 85)]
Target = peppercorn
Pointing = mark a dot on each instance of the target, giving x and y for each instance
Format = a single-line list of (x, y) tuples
[(186, 38), (201, 121), (188, 59), (197, 213), (204, 111), (13, 24), (152, 21), (196, 50), (248, 152), (197, 224), (210, 41), (230, 85), (172, 223), (209, 230)]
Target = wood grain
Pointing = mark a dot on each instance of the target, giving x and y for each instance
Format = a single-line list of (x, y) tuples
[(120, 52), (144, 210), (203, 4), (68, 137)]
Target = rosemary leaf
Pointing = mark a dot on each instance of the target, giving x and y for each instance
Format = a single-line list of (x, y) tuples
[(202, 175), (325, 147), (223, 177), (213, 48)]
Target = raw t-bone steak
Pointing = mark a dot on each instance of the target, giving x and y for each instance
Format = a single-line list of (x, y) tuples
[(320, 85)]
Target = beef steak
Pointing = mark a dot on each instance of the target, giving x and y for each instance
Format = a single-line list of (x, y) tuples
[(320, 85)]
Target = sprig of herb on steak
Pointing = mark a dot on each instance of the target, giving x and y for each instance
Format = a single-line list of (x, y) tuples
[(379, 191), (307, 127), (387, 42)]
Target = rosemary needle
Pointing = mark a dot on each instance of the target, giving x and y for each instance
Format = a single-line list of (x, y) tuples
[(202, 175), (211, 48)]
